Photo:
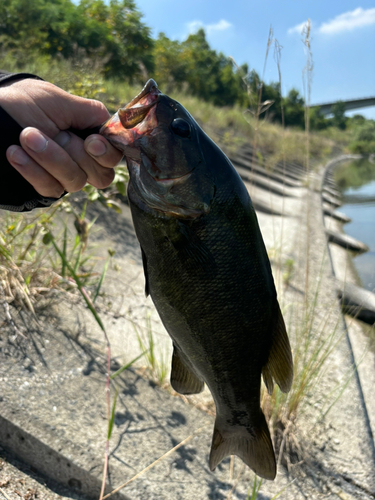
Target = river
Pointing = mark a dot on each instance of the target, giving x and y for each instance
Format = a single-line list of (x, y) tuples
[(356, 180)]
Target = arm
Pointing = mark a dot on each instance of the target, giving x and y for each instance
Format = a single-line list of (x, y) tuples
[(42, 148)]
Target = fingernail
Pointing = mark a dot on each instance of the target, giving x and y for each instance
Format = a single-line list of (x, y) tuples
[(17, 155), (62, 139), (35, 141), (96, 148)]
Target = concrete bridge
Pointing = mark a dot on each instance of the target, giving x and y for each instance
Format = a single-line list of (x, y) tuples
[(365, 102)]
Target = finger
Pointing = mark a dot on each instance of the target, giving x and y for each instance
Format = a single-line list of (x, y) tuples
[(38, 177), (67, 110), (98, 176), (77, 112), (102, 151), (53, 158)]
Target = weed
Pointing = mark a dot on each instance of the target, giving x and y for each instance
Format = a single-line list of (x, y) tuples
[(289, 265), (156, 364)]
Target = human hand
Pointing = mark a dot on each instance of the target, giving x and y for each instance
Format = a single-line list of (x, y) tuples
[(53, 159)]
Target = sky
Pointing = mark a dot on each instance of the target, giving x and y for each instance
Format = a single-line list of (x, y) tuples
[(342, 39)]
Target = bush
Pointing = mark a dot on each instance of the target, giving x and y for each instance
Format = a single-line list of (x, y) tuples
[(364, 138)]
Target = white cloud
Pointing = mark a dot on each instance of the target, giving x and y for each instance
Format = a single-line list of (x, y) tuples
[(298, 28), (349, 21), (222, 25)]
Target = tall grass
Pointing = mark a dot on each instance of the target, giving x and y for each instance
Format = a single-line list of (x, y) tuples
[(226, 125)]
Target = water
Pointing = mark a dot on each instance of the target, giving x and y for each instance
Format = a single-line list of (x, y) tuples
[(356, 179)]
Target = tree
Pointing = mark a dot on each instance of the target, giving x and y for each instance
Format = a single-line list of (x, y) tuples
[(112, 34), (171, 68), (203, 72), (119, 37), (317, 119), (364, 138), (42, 25), (339, 118), (294, 110)]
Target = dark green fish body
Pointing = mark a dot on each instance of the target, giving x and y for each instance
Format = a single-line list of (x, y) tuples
[(209, 276)]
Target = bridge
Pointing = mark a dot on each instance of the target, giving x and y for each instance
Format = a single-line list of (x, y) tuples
[(365, 102)]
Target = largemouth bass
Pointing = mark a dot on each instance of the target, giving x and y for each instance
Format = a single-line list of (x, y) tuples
[(206, 269)]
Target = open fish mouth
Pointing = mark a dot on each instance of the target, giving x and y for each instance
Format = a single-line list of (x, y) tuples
[(129, 124), (159, 141), (132, 122), (137, 109)]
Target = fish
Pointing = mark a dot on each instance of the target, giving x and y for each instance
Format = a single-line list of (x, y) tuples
[(206, 269)]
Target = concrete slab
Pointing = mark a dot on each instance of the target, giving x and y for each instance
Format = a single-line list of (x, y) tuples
[(52, 399)]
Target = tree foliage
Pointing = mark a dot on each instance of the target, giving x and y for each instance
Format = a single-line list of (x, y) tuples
[(194, 66), (112, 33), (364, 138), (339, 118), (113, 37)]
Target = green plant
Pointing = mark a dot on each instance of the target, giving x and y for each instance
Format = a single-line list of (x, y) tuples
[(156, 362), (289, 265)]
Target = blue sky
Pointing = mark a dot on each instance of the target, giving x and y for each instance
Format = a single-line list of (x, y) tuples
[(343, 39)]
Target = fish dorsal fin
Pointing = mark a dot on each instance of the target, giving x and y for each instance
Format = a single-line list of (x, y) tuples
[(279, 367), (144, 261), (183, 379)]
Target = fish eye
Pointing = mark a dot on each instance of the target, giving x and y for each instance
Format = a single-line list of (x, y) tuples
[(181, 127)]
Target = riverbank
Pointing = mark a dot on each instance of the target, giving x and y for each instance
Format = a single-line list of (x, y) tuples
[(53, 379), (360, 336)]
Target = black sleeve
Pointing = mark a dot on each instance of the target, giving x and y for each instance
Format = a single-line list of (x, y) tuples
[(16, 193)]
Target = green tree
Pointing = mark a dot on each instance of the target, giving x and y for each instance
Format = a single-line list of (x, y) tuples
[(43, 25), (171, 68), (116, 34), (339, 119), (317, 119), (294, 109), (364, 138), (356, 120), (203, 72), (112, 34)]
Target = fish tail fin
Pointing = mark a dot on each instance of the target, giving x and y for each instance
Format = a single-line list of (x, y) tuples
[(254, 449), (279, 367)]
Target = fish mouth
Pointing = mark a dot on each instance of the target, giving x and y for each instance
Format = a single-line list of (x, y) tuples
[(135, 130), (137, 109), (132, 122), (129, 123)]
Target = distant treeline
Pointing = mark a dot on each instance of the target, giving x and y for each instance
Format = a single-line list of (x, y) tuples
[(115, 37)]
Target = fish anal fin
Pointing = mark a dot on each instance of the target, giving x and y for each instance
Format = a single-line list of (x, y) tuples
[(183, 379), (279, 366), (254, 449), (267, 379), (144, 262)]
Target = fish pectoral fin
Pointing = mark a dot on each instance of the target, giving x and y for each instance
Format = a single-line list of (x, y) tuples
[(144, 262), (254, 449), (183, 380), (279, 367)]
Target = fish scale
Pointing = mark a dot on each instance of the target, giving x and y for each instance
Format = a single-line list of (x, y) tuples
[(206, 270)]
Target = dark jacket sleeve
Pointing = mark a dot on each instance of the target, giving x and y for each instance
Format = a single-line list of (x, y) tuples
[(16, 193)]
